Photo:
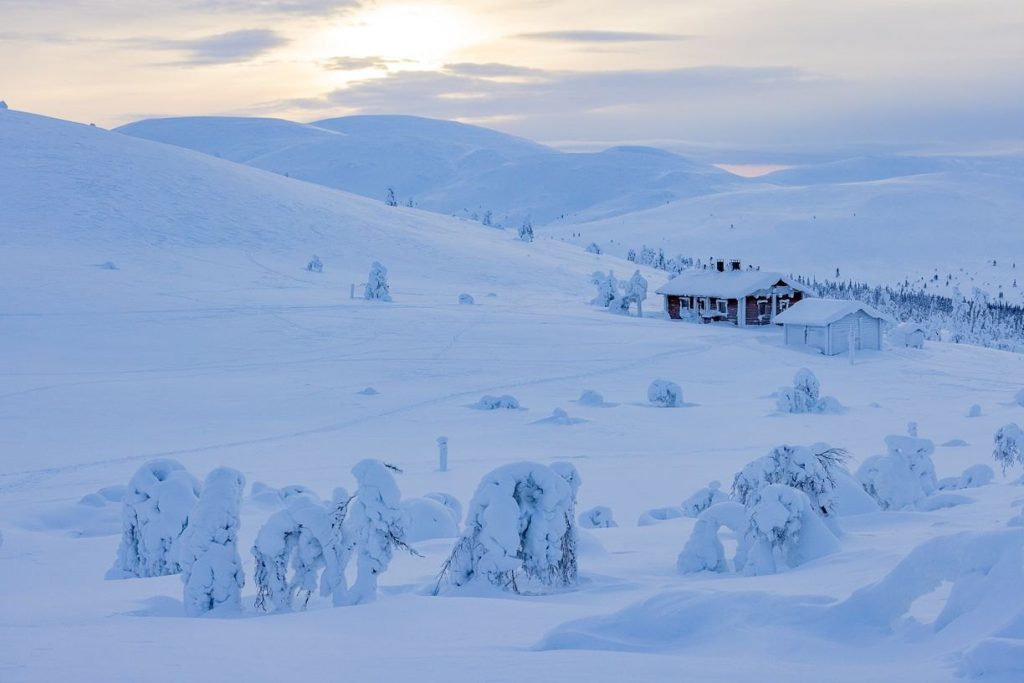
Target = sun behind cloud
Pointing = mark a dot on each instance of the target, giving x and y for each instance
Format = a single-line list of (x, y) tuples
[(404, 36)]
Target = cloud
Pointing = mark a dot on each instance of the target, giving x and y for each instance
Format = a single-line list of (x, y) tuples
[(222, 48), (344, 63), (304, 7), (601, 36), (491, 70)]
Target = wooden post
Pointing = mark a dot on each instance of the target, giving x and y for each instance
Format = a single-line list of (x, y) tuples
[(853, 345), (639, 309), (442, 451), (352, 291)]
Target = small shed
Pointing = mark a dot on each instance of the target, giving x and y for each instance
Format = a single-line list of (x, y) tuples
[(907, 334), (829, 325)]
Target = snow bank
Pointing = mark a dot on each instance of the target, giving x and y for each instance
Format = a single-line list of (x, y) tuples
[(560, 417), (154, 513), (655, 515), (427, 518)]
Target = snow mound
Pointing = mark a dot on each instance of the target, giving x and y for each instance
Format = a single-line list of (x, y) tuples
[(560, 417), (664, 394), (592, 399), (805, 396), (599, 517), (655, 515), (503, 402), (427, 518)]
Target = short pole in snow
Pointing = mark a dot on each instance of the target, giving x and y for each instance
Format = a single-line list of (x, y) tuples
[(352, 291), (853, 345), (442, 452)]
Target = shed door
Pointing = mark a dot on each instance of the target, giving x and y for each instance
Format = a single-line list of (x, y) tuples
[(816, 337), (869, 333)]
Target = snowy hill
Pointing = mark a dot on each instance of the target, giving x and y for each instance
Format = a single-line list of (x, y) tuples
[(879, 231), (447, 167), (156, 305)]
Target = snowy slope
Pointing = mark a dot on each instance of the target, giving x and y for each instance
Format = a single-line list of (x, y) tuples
[(208, 342), (880, 231), (445, 166)]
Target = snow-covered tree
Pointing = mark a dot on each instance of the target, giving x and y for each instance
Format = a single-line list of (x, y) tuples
[(315, 265), (703, 499), (704, 551), (377, 527), (664, 394), (519, 528), (599, 517), (784, 531), (377, 288), (593, 248), (389, 197), (154, 513), (904, 476), (526, 231), (207, 550), (607, 288), (812, 471), (805, 396), (634, 292), (503, 402), (1008, 446)]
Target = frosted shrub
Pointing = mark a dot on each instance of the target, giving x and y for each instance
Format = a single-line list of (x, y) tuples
[(450, 502), (607, 288), (703, 499), (599, 517), (589, 397), (377, 288), (975, 476), (154, 513), (1008, 446), (805, 396), (427, 518), (902, 478), (211, 569), (315, 265), (466, 299), (812, 471), (784, 531), (519, 529), (664, 394), (526, 231), (377, 527), (593, 248), (504, 402)]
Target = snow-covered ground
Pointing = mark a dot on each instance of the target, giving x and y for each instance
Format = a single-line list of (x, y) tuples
[(156, 304)]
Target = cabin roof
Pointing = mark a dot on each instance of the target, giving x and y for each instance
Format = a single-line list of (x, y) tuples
[(727, 285), (910, 328), (820, 312)]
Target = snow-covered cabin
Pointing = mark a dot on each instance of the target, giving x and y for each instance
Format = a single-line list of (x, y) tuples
[(730, 293), (907, 334), (829, 324)]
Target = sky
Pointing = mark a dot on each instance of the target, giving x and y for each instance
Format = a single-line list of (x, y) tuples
[(780, 77)]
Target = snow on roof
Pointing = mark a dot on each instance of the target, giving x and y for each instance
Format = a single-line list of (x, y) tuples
[(819, 312), (730, 284), (910, 327)]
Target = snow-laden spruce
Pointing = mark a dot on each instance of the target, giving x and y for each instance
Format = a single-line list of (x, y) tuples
[(607, 288), (289, 554), (805, 396), (811, 470), (377, 527), (519, 530), (1008, 446), (784, 531), (664, 394), (599, 517), (377, 288), (904, 476), (154, 513), (207, 550), (526, 231), (704, 498)]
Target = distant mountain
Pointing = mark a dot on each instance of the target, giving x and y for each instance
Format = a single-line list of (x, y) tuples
[(882, 167), (447, 167)]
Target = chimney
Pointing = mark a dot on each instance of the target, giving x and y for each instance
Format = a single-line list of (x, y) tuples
[(720, 265), (735, 265)]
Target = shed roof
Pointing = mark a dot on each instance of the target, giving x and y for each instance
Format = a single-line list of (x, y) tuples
[(820, 312), (729, 285), (909, 328)]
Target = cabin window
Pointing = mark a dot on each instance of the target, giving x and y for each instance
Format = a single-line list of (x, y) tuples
[(723, 306), (762, 308), (684, 303), (783, 305)]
